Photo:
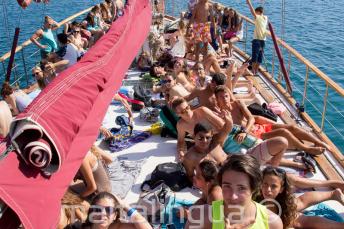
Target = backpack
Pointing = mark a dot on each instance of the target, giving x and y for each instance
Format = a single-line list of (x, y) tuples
[(262, 110), (154, 201), (143, 95), (172, 174)]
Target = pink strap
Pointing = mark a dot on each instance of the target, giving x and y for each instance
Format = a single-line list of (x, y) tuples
[(131, 100)]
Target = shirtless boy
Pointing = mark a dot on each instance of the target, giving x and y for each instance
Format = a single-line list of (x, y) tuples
[(189, 118), (207, 145), (201, 25), (269, 150), (205, 96)]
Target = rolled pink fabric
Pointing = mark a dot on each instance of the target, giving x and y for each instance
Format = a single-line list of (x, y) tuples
[(38, 153)]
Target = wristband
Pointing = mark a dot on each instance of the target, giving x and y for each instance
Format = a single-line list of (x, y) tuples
[(243, 129), (131, 212)]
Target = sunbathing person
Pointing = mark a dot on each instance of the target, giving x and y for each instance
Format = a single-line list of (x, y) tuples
[(201, 25), (18, 100), (207, 145), (270, 150), (93, 175), (198, 77), (276, 186), (189, 118), (239, 178), (180, 71), (265, 129), (205, 96)]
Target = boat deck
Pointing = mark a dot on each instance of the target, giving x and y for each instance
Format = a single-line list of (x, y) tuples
[(157, 150)]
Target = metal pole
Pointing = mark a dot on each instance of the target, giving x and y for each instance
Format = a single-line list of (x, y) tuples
[(246, 29), (324, 109), (305, 87), (25, 70)]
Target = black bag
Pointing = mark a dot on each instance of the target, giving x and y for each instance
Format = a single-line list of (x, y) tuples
[(172, 174), (142, 94), (262, 110)]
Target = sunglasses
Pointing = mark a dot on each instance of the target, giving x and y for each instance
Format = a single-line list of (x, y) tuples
[(185, 110), (35, 73), (76, 31), (277, 171), (99, 209), (165, 81)]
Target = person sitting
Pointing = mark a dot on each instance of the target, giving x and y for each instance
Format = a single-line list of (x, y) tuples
[(240, 178), (95, 30), (207, 145), (205, 179), (46, 42), (67, 51), (205, 96), (198, 76), (18, 100), (188, 119), (270, 150), (5, 120), (105, 212), (276, 186), (234, 32), (180, 71), (105, 13), (93, 175)]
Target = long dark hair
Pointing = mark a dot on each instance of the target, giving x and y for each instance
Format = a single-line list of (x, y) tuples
[(235, 20), (286, 198)]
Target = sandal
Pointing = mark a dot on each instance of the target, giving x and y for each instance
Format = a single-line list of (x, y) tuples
[(307, 160)]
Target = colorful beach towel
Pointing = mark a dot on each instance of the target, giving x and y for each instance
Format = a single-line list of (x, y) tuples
[(123, 140), (324, 211)]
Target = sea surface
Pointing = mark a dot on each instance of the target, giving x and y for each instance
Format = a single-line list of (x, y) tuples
[(313, 27)]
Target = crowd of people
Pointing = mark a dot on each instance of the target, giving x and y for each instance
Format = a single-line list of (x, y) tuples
[(221, 145)]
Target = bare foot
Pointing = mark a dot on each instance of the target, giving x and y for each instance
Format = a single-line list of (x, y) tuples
[(324, 145), (338, 195), (315, 150)]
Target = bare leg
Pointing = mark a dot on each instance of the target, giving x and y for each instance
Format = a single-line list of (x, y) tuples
[(301, 182), (312, 198), (292, 164), (276, 147), (293, 142), (316, 222), (211, 61)]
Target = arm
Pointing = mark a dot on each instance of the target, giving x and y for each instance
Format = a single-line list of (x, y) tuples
[(86, 171), (126, 106), (192, 95), (35, 37), (189, 166), (275, 221), (247, 114), (251, 8), (212, 118), (181, 145), (137, 220), (105, 156), (221, 137), (215, 194), (12, 102)]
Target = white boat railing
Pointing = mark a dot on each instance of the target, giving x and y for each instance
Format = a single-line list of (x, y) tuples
[(310, 70)]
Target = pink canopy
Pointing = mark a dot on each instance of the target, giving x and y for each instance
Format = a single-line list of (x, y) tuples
[(67, 116)]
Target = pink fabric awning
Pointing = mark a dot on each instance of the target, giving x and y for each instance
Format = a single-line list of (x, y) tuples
[(69, 112)]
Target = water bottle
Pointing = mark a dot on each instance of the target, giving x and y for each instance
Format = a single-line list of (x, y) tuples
[(249, 141)]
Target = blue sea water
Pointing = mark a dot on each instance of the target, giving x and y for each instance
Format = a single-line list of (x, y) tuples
[(312, 27)]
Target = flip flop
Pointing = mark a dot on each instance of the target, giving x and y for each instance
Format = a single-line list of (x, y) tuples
[(307, 160)]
